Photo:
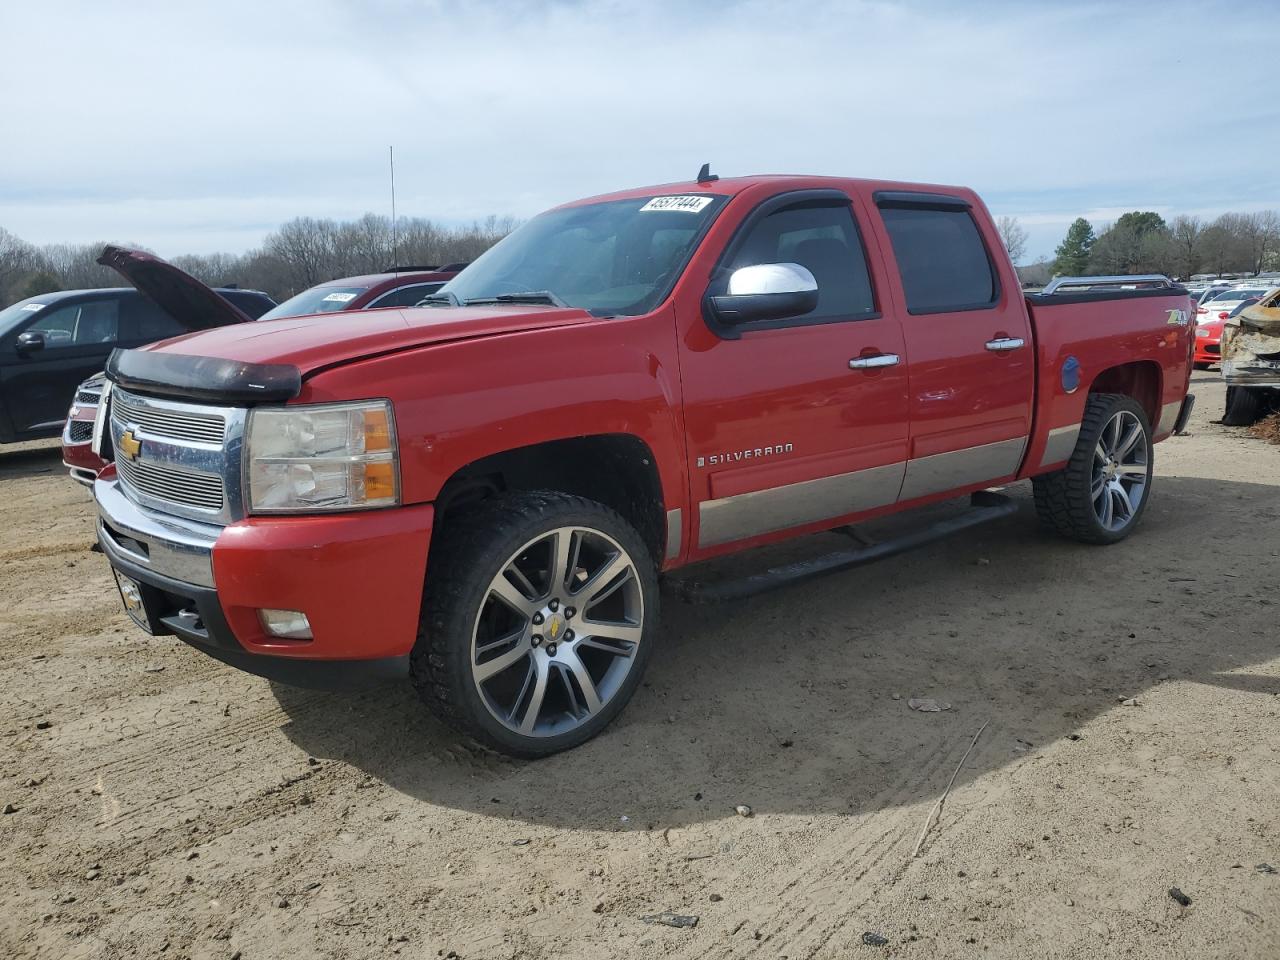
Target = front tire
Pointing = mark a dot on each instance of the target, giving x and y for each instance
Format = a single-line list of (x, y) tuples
[(1100, 495), (538, 620)]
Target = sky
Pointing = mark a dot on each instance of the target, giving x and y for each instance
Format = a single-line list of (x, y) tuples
[(199, 127)]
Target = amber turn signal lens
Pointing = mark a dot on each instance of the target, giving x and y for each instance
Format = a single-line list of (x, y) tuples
[(377, 431), (379, 481)]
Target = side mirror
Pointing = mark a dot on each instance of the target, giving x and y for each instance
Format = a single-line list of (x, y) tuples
[(766, 291), (30, 342)]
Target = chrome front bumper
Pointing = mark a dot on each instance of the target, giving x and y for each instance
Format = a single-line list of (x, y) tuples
[(169, 546)]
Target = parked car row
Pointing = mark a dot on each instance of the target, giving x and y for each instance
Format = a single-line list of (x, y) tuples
[(49, 343), (1214, 307)]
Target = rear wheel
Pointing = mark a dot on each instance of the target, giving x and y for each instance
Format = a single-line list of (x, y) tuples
[(537, 622), (1245, 407), (1101, 493)]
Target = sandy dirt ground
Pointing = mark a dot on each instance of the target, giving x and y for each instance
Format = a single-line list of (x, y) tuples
[(164, 805)]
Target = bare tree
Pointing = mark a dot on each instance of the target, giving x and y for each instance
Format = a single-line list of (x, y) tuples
[(1014, 236), (18, 259), (1186, 241)]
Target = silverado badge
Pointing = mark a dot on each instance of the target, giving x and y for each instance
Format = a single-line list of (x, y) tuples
[(129, 445)]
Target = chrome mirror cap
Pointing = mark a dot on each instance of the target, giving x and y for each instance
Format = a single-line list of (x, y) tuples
[(762, 278)]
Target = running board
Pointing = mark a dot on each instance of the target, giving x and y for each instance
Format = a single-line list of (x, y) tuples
[(986, 506)]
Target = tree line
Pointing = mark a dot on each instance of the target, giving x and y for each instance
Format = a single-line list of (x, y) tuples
[(1142, 241), (301, 253)]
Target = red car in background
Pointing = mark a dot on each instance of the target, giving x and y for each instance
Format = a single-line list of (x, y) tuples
[(398, 287)]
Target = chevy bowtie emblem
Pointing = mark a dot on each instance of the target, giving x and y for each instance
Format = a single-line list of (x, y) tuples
[(129, 445), (555, 626)]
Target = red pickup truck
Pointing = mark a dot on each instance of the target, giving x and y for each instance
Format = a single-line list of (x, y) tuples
[(481, 493)]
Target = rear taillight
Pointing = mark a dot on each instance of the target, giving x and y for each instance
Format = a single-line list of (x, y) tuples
[(1224, 315)]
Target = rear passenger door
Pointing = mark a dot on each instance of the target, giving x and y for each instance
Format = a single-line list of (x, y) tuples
[(971, 377)]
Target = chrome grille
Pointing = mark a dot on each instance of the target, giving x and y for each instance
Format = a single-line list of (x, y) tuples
[(200, 490), (175, 424), (88, 397), (80, 431), (177, 457)]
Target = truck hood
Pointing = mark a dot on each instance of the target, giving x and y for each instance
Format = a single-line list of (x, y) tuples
[(323, 340), (182, 296), (267, 361), (231, 356)]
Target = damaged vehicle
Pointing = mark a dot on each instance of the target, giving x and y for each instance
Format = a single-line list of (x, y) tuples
[(1251, 361)]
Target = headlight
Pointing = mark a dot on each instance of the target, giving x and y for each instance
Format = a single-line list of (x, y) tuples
[(320, 457), (1203, 332)]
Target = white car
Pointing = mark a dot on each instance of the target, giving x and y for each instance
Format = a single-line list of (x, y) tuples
[(1218, 306)]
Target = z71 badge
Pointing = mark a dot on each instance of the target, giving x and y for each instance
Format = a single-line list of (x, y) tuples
[(1178, 317)]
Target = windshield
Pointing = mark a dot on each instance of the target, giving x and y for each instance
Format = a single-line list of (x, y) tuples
[(616, 257), (13, 315), (321, 299)]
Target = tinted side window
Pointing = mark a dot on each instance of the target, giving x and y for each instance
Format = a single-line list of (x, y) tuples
[(823, 238), (144, 322), (407, 296), (250, 302), (942, 258), (80, 324)]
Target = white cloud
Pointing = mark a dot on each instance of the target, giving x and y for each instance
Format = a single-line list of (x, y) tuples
[(194, 127)]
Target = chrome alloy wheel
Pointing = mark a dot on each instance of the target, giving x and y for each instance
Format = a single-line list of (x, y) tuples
[(557, 631), (1119, 471)]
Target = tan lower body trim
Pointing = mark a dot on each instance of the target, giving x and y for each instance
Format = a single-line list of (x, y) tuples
[(794, 504), (961, 468), (1061, 443)]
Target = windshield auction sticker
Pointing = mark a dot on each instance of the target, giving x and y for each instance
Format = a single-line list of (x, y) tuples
[(341, 297), (685, 204)]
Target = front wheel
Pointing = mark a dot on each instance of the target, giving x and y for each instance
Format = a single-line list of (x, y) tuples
[(538, 620), (1101, 493)]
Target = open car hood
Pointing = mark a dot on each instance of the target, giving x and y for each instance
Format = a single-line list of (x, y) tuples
[(191, 303)]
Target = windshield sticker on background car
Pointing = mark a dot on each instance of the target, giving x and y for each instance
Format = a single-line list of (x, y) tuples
[(34, 306), (685, 204), (341, 297)]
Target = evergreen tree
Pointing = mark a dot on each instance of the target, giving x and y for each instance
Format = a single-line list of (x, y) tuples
[(1072, 255)]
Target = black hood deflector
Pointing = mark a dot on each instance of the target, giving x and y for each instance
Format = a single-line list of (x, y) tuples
[(204, 378)]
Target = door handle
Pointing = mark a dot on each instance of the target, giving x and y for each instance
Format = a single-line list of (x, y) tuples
[(1005, 344), (870, 363)]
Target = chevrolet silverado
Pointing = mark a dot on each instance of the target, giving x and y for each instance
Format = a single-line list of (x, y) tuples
[(480, 493)]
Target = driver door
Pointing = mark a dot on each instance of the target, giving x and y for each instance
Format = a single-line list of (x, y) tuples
[(788, 424)]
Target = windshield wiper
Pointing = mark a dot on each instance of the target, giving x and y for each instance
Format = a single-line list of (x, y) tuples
[(443, 298), (526, 296)]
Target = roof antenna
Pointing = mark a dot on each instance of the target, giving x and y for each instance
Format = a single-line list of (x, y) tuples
[(705, 175), (395, 255)]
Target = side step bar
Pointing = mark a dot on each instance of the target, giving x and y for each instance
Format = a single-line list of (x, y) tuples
[(987, 506)]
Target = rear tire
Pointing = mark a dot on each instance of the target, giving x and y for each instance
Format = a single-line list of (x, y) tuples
[(1100, 495), (1245, 407), (538, 619)]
